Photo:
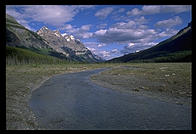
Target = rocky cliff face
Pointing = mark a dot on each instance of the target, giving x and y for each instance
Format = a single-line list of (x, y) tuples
[(66, 44), (18, 35)]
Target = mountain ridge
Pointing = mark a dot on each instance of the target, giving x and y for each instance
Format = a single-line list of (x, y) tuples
[(176, 48), (61, 43), (52, 41)]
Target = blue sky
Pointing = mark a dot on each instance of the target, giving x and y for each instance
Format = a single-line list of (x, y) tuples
[(107, 30)]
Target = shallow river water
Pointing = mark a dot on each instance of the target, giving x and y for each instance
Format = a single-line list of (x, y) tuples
[(72, 101)]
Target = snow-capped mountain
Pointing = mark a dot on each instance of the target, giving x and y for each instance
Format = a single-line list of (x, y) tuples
[(47, 42), (66, 44)]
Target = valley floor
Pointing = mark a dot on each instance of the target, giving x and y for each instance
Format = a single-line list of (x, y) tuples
[(166, 80), (21, 80)]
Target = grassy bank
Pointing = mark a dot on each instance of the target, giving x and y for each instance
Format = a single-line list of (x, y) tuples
[(21, 80), (173, 80)]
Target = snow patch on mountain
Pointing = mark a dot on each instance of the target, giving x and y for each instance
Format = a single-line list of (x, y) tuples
[(64, 34), (72, 37), (57, 34)]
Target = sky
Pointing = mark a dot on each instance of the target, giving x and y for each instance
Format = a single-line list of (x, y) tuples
[(109, 31)]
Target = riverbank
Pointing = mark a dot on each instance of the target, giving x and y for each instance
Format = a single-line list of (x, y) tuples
[(165, 81), (21, 80)]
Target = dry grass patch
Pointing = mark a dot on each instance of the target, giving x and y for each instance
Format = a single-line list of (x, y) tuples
[(172, 79)]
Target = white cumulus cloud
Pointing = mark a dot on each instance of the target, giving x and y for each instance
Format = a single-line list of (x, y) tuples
[(169, 22), (55, 15), (103, 13), (156, 9)]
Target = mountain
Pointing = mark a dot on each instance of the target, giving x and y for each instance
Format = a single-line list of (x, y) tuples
[(67, 44), (47, 42), (177, 48), (18, 35)]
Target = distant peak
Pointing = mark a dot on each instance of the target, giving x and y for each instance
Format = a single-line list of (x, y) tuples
[(57, 31), (44, 27)]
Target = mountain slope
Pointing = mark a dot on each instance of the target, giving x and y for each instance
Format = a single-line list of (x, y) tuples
[(46, 42), (67, 44), (18, 35), (176, 48), (15, 55)]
